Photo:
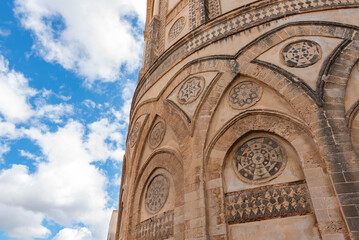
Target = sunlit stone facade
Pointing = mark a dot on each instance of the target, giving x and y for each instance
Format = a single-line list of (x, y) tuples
[(244, 123)]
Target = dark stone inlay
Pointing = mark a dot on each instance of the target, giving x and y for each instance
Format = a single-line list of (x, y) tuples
[(301, 54), (259, 160), (156, 228), (190, 90), (259, 204), (157, 193), (245, 95), (177, 28)]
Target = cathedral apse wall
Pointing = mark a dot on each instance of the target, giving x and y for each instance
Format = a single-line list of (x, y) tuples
[(245, 122)]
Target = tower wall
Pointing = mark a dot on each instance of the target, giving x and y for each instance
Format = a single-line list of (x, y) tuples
[(245, 123)]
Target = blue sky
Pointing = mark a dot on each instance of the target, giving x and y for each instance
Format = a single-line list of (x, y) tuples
[(68, 70)]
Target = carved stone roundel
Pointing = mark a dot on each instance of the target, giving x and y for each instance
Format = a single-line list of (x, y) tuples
[(245, 95), (259, 160), (157, 134), (301, 54), (134, 134), (177, 28), (190, 90), (157, 193)]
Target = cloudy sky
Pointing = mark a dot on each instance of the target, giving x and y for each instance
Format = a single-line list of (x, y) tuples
[(68, 70)]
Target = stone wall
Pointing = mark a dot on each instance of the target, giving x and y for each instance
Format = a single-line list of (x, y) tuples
[(244, 123)]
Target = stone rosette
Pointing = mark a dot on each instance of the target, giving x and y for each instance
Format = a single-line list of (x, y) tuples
[(177, 28), (134, 133), (259, 160), (157, 134), (244, 95), (301, 54), (191, 90), (157, 193)]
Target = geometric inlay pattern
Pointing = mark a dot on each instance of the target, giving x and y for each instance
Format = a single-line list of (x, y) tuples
[(272, 202), (156, 228), (259, 160), (134, 133), (301, 54), (157, 134), (244, 95), (190, 90), (177, 28), (157, 193)]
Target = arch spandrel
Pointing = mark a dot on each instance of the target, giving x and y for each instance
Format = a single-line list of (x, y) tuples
[(160, 136), (246, 94)]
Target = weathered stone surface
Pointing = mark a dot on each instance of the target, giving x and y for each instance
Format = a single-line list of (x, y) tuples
[(248, 112)]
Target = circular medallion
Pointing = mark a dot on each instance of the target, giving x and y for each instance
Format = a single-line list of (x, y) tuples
[(245, 95), (259, 160), (157, 193), (190, 90), (301, 54), (177, 28), (157, 134), (134, 134)]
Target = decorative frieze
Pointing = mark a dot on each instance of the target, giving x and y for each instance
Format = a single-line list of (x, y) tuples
[(156, 228), (267, 202)]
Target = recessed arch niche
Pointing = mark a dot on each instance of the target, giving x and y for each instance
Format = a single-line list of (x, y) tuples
[(161, 177), (278, 210)]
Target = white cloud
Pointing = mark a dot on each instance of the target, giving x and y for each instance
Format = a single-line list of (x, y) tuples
[(53, 112), (14, 89), (127, 93), (29, 155), (104, 140), (21, 223), (47, 93), (74, 234), (66, 188), (8, 130), (17, 221), (116, 180), (89, 103), (15, 96), (4, 148), (94, 38)]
